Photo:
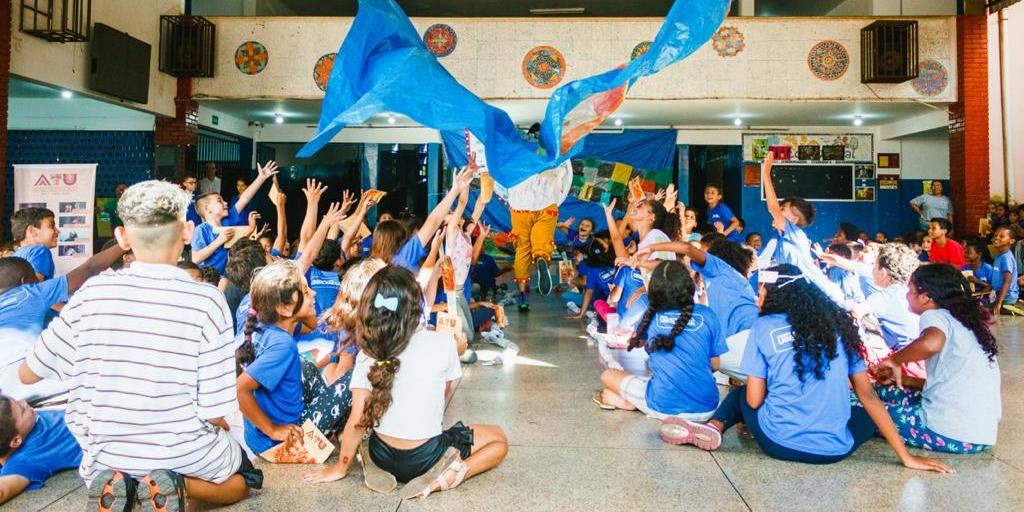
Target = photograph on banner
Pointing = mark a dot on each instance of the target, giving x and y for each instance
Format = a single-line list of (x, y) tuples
[(68, 191)]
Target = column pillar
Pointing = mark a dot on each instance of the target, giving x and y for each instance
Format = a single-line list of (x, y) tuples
[(182, 130), (968, 126)]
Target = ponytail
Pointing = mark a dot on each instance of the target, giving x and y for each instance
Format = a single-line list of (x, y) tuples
[(639, 338), (246, 352), (667, 343), (382, 378)]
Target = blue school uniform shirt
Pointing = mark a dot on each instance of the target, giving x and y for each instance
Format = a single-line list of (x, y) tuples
[(23, 313), (485, 272), (629, 279), (983, 273), (410, 254), (40, 257), (729, 295), (49, 448), (1000, 265), (278, 370), (325, 285), (235, 217), (681, 379), (848, 283), (808, 416), (720, 213), (795, 248), (242, 314), (203, 237), (899, 324), (599, 279), (364, 246)]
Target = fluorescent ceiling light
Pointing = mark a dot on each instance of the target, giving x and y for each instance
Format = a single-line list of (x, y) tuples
[(558, 11)]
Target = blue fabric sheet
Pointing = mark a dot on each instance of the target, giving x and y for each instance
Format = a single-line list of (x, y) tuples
[(383, 65)]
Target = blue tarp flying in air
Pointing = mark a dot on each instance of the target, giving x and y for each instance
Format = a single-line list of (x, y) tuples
[(383, 66)]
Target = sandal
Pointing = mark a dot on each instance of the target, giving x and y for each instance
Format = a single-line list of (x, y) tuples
[(677, 431), (422, 486), (375, 478), (601, 404), (162, 491)]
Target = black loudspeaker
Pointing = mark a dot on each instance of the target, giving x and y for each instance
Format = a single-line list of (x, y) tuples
[(187, 46), (888, 52)]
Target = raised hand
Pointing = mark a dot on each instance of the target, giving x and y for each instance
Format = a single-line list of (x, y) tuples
[(659, 195), (671, 197), (257, 234), (766, 165), (268, 170), (463, 179), (314, 190), (253, 217), (334, 214), (347, 200), (227, 234), (610, 207), (471, 165)]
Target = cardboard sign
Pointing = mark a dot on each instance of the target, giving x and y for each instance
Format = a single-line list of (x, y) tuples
[(566, 271), (636, 190), (313, 448), (448, 274), (374, 195), (499, 315), (273, 192)]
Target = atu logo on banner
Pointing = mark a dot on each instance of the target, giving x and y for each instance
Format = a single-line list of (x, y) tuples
[(67, 190)]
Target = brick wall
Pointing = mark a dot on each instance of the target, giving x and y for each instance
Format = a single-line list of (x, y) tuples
[(181, 130), (5, 78), (968, 126)]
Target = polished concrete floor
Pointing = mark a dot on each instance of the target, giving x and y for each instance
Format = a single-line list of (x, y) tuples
[(566, 454)]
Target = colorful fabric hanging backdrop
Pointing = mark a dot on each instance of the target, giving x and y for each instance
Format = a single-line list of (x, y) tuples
[(383, 66)]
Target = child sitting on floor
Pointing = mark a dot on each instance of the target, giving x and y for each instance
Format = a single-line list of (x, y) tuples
[(802, 359), (845, 279), (277, 388), (341, 318), (981, 272), (598, 276), (400, 381), (35, 234), (1005, 290), (944, 249), (209, 238), (958, 409), (149, 346), (684, 341), (33, 446)]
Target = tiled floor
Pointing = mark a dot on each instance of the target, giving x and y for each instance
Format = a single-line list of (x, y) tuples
[(568, 455)]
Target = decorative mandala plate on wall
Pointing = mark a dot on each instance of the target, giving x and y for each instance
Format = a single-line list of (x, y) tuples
[(639, 50), (440, 39), (251, 57), (932, 78), (543, 67), (728, 42), (828, 60), (322, 70)]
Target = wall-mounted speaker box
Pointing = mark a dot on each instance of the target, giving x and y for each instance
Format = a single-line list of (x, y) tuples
[(118, 64), (888, 52)]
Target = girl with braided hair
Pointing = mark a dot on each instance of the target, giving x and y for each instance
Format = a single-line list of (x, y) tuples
[(277, 388), (684, 341), (802, 357), (958, 408), (401, 377)]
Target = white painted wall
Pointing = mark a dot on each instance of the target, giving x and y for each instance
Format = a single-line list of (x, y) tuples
[(1014, 35), (225, 122), (66, 65), (925, 156), (489, 56)]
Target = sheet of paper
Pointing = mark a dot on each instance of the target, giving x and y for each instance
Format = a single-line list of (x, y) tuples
[(313, 448)]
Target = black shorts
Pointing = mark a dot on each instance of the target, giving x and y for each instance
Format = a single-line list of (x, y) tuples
[(253, 477), (409, 464)]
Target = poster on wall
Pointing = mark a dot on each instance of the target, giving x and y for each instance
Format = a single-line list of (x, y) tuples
[(888, 181), (68, 191), (848, 147)]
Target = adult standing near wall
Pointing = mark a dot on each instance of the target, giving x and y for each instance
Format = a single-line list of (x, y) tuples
[(211, 183), (930, 206)]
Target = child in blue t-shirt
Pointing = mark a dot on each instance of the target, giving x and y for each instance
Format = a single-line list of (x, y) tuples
[(598, 275), (35, 234), (684, 341), (981, 271), (24, 304), (845, 279), (802, 359), (1004, 277), (789, 218), (277, 389), (33, 447), (209, 238), (719, 216)]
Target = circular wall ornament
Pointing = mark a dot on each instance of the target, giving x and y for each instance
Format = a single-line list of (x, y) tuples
[(728, 42), (440, 39), (251, 57), (932, 78), (639, 50), (322, 70), (543, 67), (828, 60)]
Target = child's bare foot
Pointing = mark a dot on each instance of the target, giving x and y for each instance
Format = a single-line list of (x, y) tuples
[(743, 431)]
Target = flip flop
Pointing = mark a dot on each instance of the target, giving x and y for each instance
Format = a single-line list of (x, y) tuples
[(375, 478), (600, 403), (420, 487), (111, 491), (678, 431)]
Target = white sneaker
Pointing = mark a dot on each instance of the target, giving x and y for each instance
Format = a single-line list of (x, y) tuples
[(590, 315), (592, 330), (572, 307)]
